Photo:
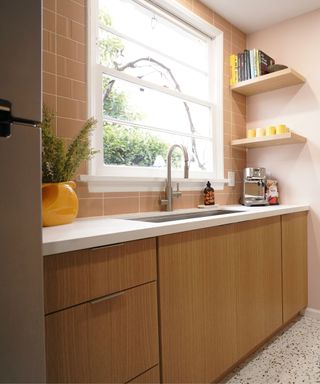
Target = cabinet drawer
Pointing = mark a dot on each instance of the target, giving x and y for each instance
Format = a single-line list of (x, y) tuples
[(75, 277), (107, 341)]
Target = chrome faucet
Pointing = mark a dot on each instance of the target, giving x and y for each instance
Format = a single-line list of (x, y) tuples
[(169, 193)]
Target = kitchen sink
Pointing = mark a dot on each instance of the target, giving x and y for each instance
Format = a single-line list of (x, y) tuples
[(183, 216)]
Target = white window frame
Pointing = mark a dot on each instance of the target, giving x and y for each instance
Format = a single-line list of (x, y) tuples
[(102, 178)]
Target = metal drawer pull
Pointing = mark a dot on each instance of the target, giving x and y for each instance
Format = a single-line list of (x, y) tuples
[(107, 297), (107, 246)]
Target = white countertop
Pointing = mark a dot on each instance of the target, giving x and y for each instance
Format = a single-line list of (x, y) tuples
[(105, 230)]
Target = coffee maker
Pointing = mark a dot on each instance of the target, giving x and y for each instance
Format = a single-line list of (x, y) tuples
[(254, 187)]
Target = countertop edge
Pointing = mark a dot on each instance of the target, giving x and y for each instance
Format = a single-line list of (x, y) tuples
[(60, 240)]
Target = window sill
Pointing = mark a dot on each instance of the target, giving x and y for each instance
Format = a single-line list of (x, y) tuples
[(139, 184)]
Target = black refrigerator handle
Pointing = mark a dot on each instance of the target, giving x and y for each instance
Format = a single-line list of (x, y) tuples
[(6, 119)]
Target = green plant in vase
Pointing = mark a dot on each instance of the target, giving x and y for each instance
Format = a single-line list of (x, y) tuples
[(59, 164)]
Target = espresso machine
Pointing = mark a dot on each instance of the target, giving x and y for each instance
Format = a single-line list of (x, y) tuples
[(254, 187)]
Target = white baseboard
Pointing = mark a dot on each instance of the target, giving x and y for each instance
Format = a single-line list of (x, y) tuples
[(310, 312)]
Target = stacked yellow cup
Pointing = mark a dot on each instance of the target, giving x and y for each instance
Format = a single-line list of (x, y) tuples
[(268, 131), (271, 130), (251, 133), (281, 129)]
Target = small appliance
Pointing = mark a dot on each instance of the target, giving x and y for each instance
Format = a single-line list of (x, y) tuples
[(254, 186)]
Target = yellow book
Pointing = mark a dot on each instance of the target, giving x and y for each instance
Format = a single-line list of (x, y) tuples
[(236, 75), (257, 61), (233, 59)]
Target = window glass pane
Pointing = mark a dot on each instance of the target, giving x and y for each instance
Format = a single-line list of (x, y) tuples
[(139, 123), (126, 101), (139, 61), (155, 31), (131, 146)]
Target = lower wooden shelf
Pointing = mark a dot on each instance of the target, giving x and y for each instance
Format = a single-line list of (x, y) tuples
[(268, 141)]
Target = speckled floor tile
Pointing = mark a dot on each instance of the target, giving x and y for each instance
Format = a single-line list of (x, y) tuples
[(292, 357)]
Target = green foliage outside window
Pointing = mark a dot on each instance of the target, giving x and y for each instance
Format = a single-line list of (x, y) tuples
[(131, 146)]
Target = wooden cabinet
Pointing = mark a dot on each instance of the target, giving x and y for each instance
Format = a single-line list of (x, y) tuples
[(259, 281), (222, 291), (152, 376), (197, 304), (108, 341), (75, 277), (294, 263), (109, 332)]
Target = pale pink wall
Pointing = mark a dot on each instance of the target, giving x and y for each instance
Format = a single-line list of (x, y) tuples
[(295, 43)]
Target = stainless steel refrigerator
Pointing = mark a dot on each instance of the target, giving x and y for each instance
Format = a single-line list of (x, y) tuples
[(22, 352)]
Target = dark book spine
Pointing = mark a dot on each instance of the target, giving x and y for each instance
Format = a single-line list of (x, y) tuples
[(239, 67), (242, 66), (264, 62), (247, 53), (246, 67)]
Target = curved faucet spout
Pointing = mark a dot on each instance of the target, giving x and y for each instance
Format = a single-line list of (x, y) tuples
[(169, 192), (186, 159)]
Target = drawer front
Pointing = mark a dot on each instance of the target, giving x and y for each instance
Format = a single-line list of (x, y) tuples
[(75, 277), (150, 377), (109, 341)]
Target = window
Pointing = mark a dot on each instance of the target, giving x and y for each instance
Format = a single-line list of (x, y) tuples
[(155, 80)]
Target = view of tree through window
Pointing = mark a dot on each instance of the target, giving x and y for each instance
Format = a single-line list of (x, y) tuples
[(155, 76)]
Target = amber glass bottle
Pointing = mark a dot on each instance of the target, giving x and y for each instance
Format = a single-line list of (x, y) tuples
[(208, 194)]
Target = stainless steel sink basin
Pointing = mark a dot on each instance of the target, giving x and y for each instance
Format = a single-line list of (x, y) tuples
[(183, 216)]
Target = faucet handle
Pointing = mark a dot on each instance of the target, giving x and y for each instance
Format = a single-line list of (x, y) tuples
[(177, 192)]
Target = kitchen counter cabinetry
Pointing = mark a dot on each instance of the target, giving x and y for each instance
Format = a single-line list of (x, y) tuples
[(258, 283), (102, 322), (222, 292), (294, 263), (197, 304)]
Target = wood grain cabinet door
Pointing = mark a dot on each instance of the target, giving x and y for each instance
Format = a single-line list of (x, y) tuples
[(75, 277), (294, 263), (152, 376), (259, 281), (110, 340), (197, 304)]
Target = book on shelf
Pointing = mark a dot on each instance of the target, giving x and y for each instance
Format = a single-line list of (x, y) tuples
[(248, 65), (233, 69), (264, 62), (241, 69)]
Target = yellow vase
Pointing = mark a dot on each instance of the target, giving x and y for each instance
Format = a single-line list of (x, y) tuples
[(59, 203)]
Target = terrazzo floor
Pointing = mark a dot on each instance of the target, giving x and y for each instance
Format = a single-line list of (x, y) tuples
[(291, 357)]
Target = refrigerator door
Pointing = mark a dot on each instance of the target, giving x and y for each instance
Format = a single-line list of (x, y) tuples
[(20, 64), (22, 348)]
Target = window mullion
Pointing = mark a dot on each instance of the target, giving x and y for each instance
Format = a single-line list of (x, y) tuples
[(155, 87), (155, 129)]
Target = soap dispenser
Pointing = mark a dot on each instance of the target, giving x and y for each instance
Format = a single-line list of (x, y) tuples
[(208, 194)]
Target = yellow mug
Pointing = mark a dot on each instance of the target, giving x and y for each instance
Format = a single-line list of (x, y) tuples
[(251, 133), (260, 132), (281, 129), (271, 130)]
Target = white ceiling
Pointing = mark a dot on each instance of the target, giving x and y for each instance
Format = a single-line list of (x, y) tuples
[(253, 15)]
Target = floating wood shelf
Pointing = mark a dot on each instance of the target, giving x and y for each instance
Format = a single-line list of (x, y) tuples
[(268, 141), (280, 79)]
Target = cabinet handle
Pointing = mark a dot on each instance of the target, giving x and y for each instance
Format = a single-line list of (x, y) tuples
[(107, 297), (107, 246)]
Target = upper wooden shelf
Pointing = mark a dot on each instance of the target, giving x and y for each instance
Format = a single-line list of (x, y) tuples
[(280, 79), (267, 141)]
